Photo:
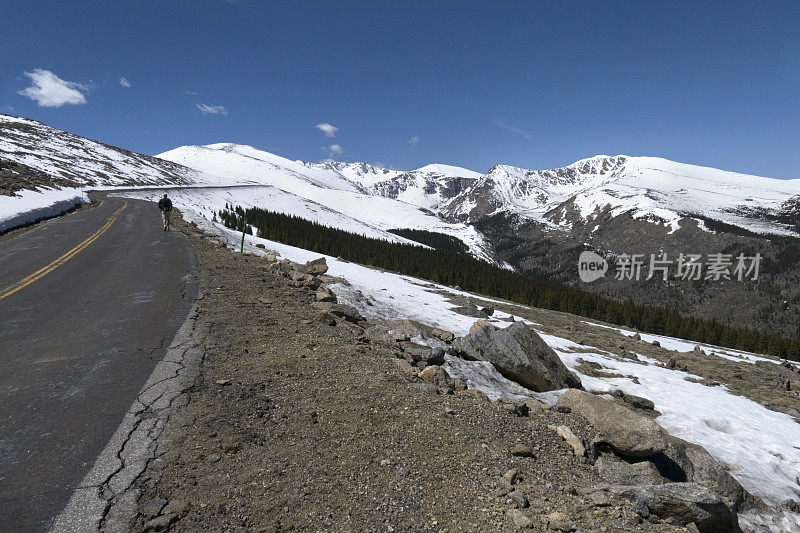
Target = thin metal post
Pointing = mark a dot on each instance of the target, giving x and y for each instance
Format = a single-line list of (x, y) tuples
[(244, 228)]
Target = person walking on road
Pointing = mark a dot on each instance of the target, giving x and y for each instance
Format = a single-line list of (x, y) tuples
[(165, 206)]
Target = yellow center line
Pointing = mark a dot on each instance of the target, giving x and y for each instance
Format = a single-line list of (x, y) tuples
[(27, 280)]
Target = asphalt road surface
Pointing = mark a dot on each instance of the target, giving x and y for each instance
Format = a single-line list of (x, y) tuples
[(89, 303)]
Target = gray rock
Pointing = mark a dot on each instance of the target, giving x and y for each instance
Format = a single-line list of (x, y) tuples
[(638, 402), (418, 352), (511, 476), (442, 334), (672, 363), (472, 311), (379, 334), (698, 466), (519, 499), (656, 343), (436, 357), (612, 469), (315, 267), (519, 519), (640, 508), (260, 245), (348, 312), (522, 450), (519, 354), (160, 523), (626, 432), (324, 294), (686, 502)]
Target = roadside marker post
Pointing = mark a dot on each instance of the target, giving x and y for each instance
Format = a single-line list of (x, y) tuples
[(244, 228)]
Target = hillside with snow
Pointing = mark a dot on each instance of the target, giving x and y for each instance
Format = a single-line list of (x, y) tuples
[(346, 191)]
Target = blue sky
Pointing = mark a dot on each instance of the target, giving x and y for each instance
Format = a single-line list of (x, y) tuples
[(532, 84)]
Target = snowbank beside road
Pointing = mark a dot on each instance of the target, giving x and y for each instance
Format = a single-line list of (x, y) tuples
[(29, 206)]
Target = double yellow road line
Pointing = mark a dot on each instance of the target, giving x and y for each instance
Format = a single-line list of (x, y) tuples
[(42, 272)]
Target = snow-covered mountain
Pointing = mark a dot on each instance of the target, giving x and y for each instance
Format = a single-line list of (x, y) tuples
[(431, 186), (347, 189), (649, 188)]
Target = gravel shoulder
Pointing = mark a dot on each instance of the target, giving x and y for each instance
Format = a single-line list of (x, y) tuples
[(298, 423)]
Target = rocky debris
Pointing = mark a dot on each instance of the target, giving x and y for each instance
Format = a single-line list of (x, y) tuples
[(577, 445), (425, 456), (626, 432), (488, 311), (672, 363), (520, 355), (480, 323), (685, 503), (637, 337)]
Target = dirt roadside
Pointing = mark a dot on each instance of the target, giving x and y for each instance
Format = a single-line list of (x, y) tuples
[(296, 424)]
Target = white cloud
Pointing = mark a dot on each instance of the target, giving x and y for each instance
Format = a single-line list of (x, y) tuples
[(334, 149), (48, 90), (413, 140), (212, 109), (193, 93), (329, 130), (123, 81), (503, 124)]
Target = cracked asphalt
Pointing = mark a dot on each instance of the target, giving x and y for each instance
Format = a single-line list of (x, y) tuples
[(78, 344)]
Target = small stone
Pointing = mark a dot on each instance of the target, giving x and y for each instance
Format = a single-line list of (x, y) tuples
[(401, 472), (511, 475), (385, 462), (519, 519), (655, 343), (522, 450), (260, 245), (213, 458), (640, 508), (519, 499), (177, 507), (671, 363), (223, 382), (160, 523)]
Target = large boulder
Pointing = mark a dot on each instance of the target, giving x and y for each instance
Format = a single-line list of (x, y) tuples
[(626, 432), (686, 502), (612, 469), (520, 355), (700, 467)]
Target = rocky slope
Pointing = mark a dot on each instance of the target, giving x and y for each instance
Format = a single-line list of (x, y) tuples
[(51, 158), (308, 416)]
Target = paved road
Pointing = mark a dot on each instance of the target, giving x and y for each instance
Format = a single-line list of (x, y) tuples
[(103, 292)]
